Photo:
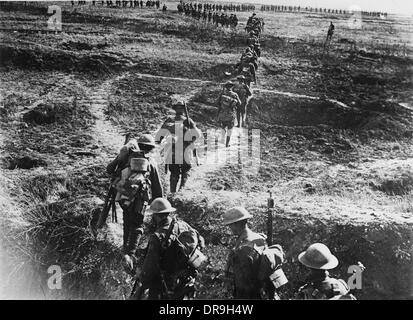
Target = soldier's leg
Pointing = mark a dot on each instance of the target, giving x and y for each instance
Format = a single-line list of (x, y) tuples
[(174, 169), (239, 117), (135, 232), (185, 168), (229, 132), (244, 115), (125, 226)]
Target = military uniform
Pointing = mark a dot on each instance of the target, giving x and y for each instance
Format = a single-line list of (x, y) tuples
[(228, 103), (133, 214), (318, 258), (157, 275), (243, 265), (179, 162), (324, 288), (243, 92)]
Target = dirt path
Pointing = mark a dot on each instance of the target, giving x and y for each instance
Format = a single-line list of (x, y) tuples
[(109, 140)]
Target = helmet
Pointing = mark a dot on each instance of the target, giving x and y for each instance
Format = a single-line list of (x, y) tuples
[(318, 256), (161, 205), (147, 139), (236, 214), (177, 103), (228, 84), (241, 77)]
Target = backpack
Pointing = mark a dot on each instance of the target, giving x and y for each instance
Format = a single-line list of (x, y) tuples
[(181, 250), (131, 184), (227, 103), (271, 259)]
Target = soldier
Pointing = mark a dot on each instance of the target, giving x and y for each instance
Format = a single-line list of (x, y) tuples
[(181, 149), (137, 182), (330, 32), (244, 93), (165, 273), (228, 103), (320, 286), (243, 260)]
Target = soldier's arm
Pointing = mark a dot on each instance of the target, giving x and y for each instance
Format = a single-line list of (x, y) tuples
[(249, 93), (156, 185), (111, 167), (150, 276)]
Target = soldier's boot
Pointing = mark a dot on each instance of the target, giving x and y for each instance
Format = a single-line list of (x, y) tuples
[(173, 181), (228, 137)]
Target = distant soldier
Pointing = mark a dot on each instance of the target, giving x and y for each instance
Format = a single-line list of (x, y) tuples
[(246, 272), (244, 93), (228, 103), (137, 182), (183, 136), (164, 8), (169, 270), (209, 16), (250, 21), (320, 286), (330, 32)]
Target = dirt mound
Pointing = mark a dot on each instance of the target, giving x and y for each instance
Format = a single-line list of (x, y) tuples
[(401, 184), (25, 162), (387, 127), (58, 113), (47, 59), (77, 45)]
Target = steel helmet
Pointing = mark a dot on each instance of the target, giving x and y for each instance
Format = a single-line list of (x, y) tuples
[(147, 139), (161, 205), (318, 256), (177, 102), (236, 214)]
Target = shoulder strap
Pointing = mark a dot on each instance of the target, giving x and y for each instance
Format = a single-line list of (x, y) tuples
[(168, 234)]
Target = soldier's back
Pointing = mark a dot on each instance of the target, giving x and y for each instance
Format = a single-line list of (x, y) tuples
[(329, 288)]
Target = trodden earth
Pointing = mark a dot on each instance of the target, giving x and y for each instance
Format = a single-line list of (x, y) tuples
[(334, 129)]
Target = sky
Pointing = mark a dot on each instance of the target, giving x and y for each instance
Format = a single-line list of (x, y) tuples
[(390, 6)]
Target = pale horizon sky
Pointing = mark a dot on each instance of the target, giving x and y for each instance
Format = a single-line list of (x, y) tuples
[(393, 6)]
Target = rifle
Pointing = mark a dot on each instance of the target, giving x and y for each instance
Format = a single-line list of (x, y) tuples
[(110, 198), (270, 206)]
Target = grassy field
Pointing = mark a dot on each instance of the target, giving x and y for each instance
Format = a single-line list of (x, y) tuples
[(335, 146)]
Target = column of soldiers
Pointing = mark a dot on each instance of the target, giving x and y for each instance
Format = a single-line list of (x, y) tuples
[(173, 257), (126, 3), (201, 11), (217, 7), (282, 8), (233, 101)]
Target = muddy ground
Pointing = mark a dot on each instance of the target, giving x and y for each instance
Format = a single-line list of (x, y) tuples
[(335, 141)]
